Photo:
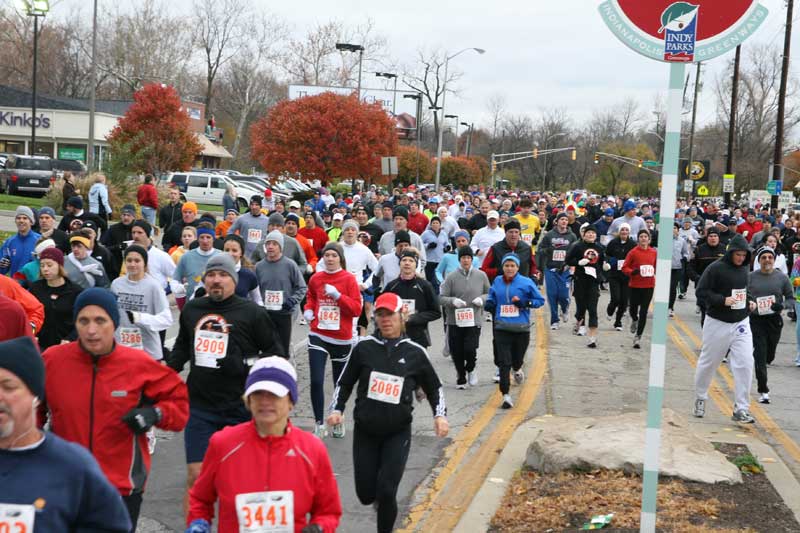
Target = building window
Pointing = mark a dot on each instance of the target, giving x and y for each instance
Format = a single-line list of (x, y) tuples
[(12, 147)]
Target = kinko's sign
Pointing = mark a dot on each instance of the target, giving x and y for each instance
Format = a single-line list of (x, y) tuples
[(687, 32)]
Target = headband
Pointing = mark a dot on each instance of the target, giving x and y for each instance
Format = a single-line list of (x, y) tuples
[(206, 231)]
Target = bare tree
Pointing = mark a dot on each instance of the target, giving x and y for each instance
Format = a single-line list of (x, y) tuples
[(427, 77), (220, 29)]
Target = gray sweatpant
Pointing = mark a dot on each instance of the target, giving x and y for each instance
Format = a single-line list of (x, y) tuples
[(718, 338)]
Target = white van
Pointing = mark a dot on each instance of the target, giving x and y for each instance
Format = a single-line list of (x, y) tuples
[(208, 188)]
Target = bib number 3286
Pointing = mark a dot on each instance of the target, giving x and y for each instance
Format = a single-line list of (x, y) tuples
[(16, 518), (266, 512)]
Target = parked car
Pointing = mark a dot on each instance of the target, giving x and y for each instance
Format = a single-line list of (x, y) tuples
[(262, 185), (208, 188), (77, 168), (24, 173)]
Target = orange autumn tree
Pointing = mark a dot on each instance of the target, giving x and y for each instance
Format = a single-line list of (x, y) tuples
[(327, 136), (155, 133)]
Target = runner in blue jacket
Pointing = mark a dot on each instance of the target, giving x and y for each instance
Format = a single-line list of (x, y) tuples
[(510, 299)]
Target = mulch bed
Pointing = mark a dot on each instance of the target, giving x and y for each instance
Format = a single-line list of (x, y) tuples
[(567, 500)]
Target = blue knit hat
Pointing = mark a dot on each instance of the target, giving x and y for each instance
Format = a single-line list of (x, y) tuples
[(20, 357), (510, 257), (100, 297), (628, 205)]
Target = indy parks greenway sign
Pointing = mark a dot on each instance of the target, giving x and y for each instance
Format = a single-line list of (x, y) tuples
[(687, 32)]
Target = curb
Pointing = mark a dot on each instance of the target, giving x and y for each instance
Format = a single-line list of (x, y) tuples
[(485, 503)]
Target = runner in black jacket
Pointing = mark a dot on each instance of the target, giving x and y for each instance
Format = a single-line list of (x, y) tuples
[(419, 299), (616, 251), (386, 369)]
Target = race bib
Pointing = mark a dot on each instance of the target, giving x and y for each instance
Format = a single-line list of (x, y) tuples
[(559, 255), (130, 337), (265, 512), (739, 298), (465, 318), (647, 271), (209, 347), (16, 518), (620, 264), (409, 306), (764, 304), (509, 311), (328, 317), (527, 238), (385, 387), (273, 300), (254, 235)]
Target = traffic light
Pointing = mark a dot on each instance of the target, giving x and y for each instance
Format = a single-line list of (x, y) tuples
[(494, 167), (640, 163), (596, 159), (574, 155), (535, 153)]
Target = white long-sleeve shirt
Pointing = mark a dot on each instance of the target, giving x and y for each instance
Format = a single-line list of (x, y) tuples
[(147, 300), (485, 237), (359, 258)]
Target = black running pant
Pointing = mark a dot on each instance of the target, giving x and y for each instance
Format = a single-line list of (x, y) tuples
[(620, 294), (463, 349), (510, 348), (674, 280), (766, 334), (134, 505), (378, 464), (283, 329), (640, 303), (586, 295)]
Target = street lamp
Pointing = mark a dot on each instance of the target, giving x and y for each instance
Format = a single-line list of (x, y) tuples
[(35, 9), (346, 47), (470, 127), (418, 98), (444, 94), (456, 134), (390, 76), (544, 173)]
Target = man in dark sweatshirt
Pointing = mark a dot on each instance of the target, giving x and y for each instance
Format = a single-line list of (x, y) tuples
[(722, 291)]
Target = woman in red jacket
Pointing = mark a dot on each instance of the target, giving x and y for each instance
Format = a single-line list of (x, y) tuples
[(147, 197), (266, 473), (333, 304), (640, 267)]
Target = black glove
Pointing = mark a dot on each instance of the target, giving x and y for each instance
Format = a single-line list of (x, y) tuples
[(490, 306), (522, 304), (142, 418), (287, 305), (312, 528), (130, 317), (777, 307), (431, 245)]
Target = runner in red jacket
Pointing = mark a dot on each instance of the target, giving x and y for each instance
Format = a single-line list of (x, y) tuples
[(266, 473), (106, 396), (640, 267), (333, 303)]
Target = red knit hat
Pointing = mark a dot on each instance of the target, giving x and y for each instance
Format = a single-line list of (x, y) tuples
[(54, 254)]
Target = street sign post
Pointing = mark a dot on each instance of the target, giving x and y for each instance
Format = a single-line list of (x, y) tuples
[(389, 166), (702, 190), (688, 186), (728, 182), (650, 163), (675, 32)]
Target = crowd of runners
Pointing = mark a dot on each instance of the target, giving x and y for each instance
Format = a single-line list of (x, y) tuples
[(86, 372)]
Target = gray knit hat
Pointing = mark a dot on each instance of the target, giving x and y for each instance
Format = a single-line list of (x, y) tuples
[(25, 211), (276, 236), (223, 262), (276, 219), (350, 224)]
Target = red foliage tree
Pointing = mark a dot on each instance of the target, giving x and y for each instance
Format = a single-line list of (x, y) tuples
[(326, 136), (155, 132)]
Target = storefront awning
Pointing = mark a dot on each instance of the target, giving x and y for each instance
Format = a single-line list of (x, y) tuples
[(212, 150)]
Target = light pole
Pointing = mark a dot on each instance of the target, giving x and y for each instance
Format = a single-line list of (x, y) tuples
[(470, 126), (390, 76), (93, 94), (444, 94), (456, 134), (347, 47), (418, 98), (35, 9), (544, 172)]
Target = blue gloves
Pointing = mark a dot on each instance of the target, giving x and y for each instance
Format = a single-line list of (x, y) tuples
[(199, 526)]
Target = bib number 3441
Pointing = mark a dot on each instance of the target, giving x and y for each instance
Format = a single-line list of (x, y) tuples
[(266, 512)]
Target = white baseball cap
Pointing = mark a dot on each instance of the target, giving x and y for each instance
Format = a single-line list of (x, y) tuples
[(273, 374), (492, 214)]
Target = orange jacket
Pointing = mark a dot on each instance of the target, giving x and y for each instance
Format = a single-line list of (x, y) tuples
[(311, 255), (34, 309)]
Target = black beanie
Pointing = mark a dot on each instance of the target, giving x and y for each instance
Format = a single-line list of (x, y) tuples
[(512, 223), (465, 250), (20, 357), (139, 250), (145, 225)]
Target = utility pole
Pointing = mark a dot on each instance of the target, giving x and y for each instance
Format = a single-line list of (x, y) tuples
[(694, 118), (777, 158), (732, 125), (93, 94)]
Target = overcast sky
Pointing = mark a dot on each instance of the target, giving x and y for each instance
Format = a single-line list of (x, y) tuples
[(539, 54)]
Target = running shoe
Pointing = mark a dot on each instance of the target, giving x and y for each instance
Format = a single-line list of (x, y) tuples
[(519, 377), (151, 441), (743, 417), (725, 359), (320, 431), (671, 313), (697, 309), (488, 317), (592, 342), (797, 360), (554, 325), (634, 326), (472, 378), (582, 331), (507, 402), (763, 397), (461, 386), (699, 408), (302, 321), (637, 342), (445, 351), (610, 316), (496, 377), (337, 431), (681, 296), (565, 316), (618, 326), (420, 394)]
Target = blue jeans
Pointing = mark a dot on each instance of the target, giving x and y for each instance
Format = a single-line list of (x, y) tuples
[(149, 214), (557, 285)]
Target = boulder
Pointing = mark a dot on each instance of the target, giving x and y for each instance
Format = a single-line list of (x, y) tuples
[(618, 442)]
